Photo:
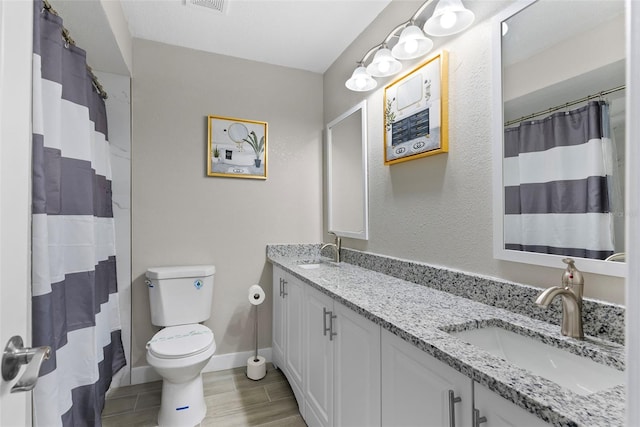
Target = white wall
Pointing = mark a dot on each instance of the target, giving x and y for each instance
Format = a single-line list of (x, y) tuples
[(439, 209), (181, 216)]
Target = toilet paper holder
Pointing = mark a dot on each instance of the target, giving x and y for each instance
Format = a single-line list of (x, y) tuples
[(256, 365)]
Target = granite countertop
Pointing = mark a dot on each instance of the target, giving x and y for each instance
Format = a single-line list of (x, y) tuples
[(422, 315)]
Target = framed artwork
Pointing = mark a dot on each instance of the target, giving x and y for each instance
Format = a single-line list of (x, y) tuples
[(237, 148), (416, 112)]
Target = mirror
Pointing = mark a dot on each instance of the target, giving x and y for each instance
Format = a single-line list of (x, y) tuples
[(347, 193), (559, 133)]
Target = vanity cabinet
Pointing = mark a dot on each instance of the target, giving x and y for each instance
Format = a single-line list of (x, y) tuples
[(287, 346), (342, 364), (492, 410), (419, 390)]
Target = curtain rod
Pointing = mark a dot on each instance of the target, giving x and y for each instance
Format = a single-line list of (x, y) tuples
[(67, 38), (568, 104)]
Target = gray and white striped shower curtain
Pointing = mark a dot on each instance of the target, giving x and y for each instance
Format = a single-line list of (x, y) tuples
[(74, 289), (556, 185)]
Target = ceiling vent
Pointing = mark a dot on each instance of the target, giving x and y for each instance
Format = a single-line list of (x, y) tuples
[(217, 6)]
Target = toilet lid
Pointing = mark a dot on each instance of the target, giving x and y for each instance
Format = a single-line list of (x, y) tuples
[(180, 341)]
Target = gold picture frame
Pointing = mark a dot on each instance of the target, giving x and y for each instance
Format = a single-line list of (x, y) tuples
[(237, 148), (416, 112)]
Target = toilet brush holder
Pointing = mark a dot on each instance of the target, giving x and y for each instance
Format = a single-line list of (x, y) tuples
[(256, 365)]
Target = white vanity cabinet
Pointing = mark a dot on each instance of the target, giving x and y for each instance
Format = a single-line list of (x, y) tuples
[(492, 410), (342, 364), (419, 390), (287, 346)]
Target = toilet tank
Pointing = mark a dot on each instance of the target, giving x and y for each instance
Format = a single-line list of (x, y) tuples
[(180, 295)]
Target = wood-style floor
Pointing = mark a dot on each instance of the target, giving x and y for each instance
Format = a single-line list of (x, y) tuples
[(232, 400)]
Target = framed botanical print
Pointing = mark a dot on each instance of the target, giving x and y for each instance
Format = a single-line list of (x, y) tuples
[(237, 148)]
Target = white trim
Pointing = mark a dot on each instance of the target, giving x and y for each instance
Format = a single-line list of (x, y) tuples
[(632, 225), (354, 234), (617, 269), (146, 374)]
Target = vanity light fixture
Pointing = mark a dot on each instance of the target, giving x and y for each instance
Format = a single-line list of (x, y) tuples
[(449, 17), (360, 80), (384, 64), (412, 43)]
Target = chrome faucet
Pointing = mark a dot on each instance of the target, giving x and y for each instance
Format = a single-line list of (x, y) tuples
[(336, 246), (571, 293)]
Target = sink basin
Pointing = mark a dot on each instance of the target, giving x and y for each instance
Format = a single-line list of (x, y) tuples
[(313, 264), (309, 266), (579, 374)]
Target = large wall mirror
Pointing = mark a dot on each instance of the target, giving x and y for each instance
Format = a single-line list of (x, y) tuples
[(347, 193), (559, 133)]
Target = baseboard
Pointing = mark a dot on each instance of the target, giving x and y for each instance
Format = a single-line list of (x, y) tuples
[(146, 374)]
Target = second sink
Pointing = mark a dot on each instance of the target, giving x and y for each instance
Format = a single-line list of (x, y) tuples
[(581, 375)]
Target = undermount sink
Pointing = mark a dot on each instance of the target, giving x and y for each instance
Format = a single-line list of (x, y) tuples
[(316, 263), (579, 374), (309, 266)]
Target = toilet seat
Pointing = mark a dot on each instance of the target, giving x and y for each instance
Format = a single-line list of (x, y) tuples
[(176, 342)]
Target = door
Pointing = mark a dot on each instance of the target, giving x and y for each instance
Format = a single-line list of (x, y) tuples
[(16, 26), (356, 379), (499, 412), (318, 364), (279, 319), (294, 335), (415, 388)]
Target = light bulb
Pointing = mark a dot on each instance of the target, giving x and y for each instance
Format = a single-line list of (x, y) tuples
[(411, 46), (384, 66), (448, 19), (361, 82)]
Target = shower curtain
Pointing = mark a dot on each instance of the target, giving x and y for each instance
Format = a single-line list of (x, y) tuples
[(74, 289), (557, 199)]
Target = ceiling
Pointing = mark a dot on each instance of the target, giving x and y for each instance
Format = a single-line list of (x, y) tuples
[(303, 34)]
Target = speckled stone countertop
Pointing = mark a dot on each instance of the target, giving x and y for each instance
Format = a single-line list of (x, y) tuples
[(421, 315)]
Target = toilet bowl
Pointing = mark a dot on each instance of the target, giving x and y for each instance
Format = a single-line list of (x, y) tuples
[(178, 354), (180, 298)]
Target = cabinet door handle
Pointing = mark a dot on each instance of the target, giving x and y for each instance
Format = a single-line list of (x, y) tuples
[(324, 321), (284, 288), (477, 419), (452, 409), (281, 287), (331, 333)]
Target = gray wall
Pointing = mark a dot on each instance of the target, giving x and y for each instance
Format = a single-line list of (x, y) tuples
[(439, 209), (181, 216)]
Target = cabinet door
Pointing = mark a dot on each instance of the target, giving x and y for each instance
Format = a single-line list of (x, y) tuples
[(415, 388), (356, 378), (499, 412), (279, 320), (293, 359), (318, 378)]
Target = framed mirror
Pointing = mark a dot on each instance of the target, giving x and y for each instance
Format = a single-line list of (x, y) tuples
[(559, 133), (347, 192)]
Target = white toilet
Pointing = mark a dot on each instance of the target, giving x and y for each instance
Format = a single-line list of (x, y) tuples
[(180, 297)]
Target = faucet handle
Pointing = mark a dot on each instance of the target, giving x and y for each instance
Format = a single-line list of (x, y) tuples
[(571, 276)]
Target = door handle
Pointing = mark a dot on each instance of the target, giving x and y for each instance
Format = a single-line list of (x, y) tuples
[(284, 288), (324, 321), (452, 410), (15, 354), (477, 419), (331, 333)]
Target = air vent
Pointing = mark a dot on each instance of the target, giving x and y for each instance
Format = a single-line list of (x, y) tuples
[(216, 6)]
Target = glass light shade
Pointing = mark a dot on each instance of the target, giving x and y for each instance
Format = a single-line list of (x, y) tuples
[(412, 44), (384, 64), (449, 17), (361, 80)]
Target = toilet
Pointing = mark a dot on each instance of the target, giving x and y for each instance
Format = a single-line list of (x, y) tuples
[(180, 298)]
